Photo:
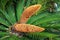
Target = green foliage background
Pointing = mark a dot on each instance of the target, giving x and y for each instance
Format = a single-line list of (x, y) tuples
[(11, 11)]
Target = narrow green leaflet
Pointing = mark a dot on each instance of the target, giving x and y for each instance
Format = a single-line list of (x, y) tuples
[(10, 37), (19, 8), (57, 38), (4, 22), (41, 34), (14, 37), (6, 15), (3, 28), (47, 19), (51, 24), (36, 17), (11, 12), (2, 34)]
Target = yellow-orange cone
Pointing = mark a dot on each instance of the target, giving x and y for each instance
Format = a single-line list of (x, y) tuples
[(27, 28), (28, 12)]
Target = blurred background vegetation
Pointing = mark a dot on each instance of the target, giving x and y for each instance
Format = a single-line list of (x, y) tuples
[(48, 17)]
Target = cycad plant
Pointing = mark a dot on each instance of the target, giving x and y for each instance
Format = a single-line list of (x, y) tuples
[(48, 17)]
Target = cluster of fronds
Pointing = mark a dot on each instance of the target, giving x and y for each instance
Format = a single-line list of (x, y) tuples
[(11, 11)]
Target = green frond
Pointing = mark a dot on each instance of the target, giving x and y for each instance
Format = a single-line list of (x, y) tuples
[(39, 35), (47, 19)]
